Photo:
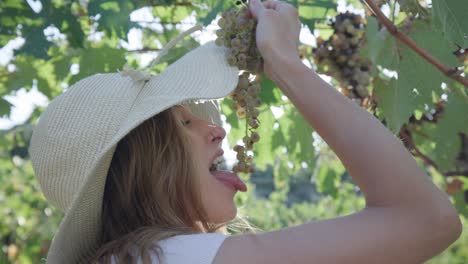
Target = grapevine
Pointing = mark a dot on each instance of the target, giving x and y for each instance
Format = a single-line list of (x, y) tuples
[(237, 34), (339, 56)]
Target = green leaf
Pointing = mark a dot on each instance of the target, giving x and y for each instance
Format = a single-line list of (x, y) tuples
[(313, 11), (460, 204), (394, 101), (23, 75), (299, 140), (270, 94), (4, 107), (450, 17), (99, 60), (72, 30), (281, 173), (263, 153), (206, 20), (325, 180), (417, 79), (171, 14), (412, 6), (453, 121), (35, 43), (46, 80), (115, 16), (180, 50), (237, 131), (380, 46), (373, 38), (61, 16)]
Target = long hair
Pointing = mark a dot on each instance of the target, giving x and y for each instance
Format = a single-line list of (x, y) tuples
[(150, 193)]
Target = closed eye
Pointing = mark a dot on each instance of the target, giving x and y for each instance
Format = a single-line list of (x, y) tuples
[(186, 122)]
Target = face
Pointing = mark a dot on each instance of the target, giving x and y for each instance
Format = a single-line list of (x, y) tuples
[(205, 138)]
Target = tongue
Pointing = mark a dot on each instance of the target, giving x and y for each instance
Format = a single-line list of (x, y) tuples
[(231, 179)]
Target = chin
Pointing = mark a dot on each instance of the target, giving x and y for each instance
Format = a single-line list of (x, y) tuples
[(229, 213)]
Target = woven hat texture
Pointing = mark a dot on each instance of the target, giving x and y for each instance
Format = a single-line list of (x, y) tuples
[(74, 140)]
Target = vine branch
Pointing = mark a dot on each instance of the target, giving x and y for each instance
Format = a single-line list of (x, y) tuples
[(453, 73), (405, 135), (142, 50)]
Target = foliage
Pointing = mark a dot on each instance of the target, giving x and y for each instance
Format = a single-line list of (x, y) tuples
[(65, 41)]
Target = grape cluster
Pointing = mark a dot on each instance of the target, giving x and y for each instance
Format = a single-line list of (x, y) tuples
[(246, 103), (339, 56), (237, 34)]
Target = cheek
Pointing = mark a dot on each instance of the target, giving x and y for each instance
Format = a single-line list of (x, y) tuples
[(217, 200)]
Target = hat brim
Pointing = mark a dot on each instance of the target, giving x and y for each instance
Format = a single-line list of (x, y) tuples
[(79, 232)]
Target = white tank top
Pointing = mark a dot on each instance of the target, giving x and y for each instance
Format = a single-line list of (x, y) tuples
[(193, 249)]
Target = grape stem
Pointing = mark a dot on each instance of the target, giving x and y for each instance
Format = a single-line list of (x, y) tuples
[(453, 73)]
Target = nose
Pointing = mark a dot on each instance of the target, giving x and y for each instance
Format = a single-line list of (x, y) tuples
[(217, 133)]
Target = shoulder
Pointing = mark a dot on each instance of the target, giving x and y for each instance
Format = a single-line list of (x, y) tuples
[(193, 248)]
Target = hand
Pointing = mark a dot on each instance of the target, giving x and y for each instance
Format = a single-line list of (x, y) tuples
[(277, 33)]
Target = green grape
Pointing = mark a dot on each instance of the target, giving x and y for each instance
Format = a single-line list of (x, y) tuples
[(255, 137), (237, 34), (241, 113), (253, 123)]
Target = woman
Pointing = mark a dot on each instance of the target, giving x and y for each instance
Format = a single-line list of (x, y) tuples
[(128, 160)]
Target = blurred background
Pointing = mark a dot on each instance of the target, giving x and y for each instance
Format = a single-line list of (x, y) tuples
[(47, 45)]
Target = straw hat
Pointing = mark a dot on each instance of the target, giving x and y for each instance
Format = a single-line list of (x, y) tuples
[(73, 143)]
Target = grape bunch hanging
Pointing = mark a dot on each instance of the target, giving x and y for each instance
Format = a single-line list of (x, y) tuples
[(237, 34), (339, 56)]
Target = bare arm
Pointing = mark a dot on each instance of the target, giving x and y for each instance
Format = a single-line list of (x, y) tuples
[(376, 159), (407, 219)]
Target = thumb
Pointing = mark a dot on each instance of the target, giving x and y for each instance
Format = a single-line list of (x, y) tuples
[(256, 8)]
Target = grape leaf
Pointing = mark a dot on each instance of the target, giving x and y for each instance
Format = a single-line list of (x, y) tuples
[(453, 121), (115, 16), (46, 80), (270, 93), (325, 179), (281, 172), (35, 43), (300, 140), (263, 153), (394, 101), (98, 60), (206, 19), (417, 79), (381, 47), (236, 133), (171, 14), (460, 203), (449, 16), (315, 10), (4, 107), (412, 6), (23, 75)]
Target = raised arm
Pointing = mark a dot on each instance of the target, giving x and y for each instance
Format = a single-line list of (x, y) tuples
[(407, 219)]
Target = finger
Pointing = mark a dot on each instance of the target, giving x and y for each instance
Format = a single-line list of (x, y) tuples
[(256, 8), (280, 6), (272, 4)]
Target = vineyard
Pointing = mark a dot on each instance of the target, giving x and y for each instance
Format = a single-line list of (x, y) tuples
[(404, 61)]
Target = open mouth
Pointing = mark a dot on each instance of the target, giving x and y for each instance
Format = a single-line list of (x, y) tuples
[(219, 170), (218, 164)]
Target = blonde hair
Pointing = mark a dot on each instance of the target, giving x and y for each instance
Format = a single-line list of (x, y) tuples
[(150, 194)]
